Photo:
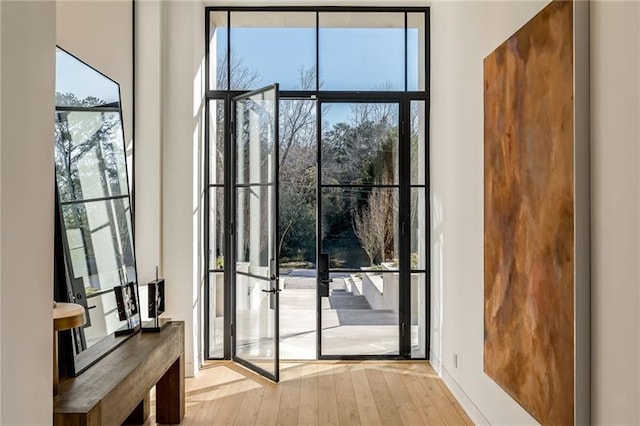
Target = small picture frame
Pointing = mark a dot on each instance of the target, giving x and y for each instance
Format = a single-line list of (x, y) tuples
[(155, 305), (156, 297), (127, 304)]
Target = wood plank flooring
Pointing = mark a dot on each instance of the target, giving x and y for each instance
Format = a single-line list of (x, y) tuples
[(321, 393)]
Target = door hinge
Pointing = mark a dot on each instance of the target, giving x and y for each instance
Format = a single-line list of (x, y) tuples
[(402, 128), (402, 329), (232, 228), (233, 127), (233, 330)]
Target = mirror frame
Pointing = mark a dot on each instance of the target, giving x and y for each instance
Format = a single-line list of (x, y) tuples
[(74, 361)]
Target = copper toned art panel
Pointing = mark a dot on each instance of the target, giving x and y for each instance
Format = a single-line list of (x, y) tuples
[(529, 215)]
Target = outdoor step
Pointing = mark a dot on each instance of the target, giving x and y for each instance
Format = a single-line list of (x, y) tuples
[(363, 317), (349, 302), (341, 292)]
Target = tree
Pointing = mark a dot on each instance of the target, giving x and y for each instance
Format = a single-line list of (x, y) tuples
[(298, 174), (373, 226)]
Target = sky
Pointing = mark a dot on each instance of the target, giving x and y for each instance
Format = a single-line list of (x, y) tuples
[(350, 59), (73, 76)]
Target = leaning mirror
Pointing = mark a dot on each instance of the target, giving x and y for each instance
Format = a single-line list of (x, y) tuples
[(94, 248)]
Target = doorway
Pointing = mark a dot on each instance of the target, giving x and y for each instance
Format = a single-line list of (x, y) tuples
[(350, 255), (359, 214)]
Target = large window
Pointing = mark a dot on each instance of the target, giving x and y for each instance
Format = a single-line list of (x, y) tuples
[(353, 115)]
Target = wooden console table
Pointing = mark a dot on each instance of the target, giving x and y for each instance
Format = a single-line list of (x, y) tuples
[(116, 389)]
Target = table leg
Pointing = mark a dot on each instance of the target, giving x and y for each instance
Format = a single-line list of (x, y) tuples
[(140, 414), (170, 394)]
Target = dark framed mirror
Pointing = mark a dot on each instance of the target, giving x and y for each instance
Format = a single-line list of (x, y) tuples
[(94, 233)]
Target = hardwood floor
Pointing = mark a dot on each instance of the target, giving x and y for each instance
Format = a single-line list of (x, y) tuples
[(321, 393)]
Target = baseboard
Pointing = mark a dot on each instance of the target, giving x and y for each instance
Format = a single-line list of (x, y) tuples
[(189, 371), (463, 399), (435, 362)]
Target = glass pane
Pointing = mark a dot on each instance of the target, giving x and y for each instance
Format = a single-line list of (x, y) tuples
[(419, 229), (216, 315), (216, 228), (418, 315), (297, 185), (79, 85), (418, 142), (254, 217), (360, 143), (360, 316), (255, 138), (89, 155), (416, 48), (298, 316), (216, 141), (100, 243), (362, 51), (255, 322), (270, 47), (360, 227), (218, 36)]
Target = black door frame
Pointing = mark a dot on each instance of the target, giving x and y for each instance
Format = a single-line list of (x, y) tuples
[(404, 198), (274, 278)]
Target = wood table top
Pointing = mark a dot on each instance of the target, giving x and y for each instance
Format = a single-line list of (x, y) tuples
[(67, 316)]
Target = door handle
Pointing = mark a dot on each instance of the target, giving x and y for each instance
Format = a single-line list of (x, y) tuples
[(326, 281), (272, 291)]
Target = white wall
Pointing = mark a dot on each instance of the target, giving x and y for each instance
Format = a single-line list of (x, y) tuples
[(463, 33), (615, 94), (182, 109), (148, 137), (26, 190)]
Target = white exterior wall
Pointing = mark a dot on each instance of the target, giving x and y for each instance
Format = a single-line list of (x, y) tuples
[(27, 53)]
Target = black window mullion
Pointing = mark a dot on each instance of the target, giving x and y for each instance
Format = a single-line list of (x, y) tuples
[(406, 54), (207, 198), (427, 181), (405, 231), (229, 209), (317, 51), (319, 225), (228, 49), (427, 55)]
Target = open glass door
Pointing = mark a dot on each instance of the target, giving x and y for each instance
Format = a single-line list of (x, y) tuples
[(255, 230)]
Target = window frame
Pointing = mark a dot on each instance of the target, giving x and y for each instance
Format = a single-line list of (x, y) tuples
[(404, 97)]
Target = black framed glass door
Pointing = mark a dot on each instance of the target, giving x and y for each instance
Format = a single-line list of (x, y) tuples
[(362, 257), (255, 288)]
